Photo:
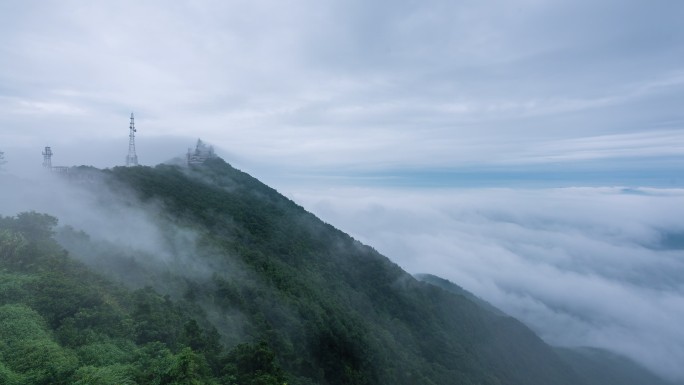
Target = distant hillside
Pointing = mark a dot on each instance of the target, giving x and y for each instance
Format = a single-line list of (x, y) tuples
[(454, 288), (594, 366), (237, 257), (600, 367)]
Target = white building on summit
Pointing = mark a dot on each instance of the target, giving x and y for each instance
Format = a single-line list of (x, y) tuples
[(201, 153)]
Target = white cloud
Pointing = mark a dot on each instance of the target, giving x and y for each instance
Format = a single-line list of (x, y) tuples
[(38, 107)]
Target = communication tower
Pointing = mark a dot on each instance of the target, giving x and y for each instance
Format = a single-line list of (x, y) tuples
[(131, 158), (47, 158)]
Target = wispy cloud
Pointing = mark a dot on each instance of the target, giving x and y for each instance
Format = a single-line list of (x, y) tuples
[(655, 143), (46, 108)]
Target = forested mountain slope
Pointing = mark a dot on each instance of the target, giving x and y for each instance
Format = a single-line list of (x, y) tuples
[(237, 256)]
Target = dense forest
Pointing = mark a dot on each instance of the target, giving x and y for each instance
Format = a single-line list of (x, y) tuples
[(246, 288), (60, 323)]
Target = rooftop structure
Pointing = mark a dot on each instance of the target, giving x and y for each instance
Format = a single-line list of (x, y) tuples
[(47, 162), (201, 153)]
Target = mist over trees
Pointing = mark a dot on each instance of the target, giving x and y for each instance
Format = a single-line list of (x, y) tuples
[(205, 275), (61, 323)]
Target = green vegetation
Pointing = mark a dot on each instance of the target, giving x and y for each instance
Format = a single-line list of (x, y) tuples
[(60, 323)]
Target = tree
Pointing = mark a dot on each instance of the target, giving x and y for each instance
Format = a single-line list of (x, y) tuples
[(251, 364), (190, 368), (35, 226), (2, 159)]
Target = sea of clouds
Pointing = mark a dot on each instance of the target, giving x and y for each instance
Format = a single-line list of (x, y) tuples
[(601, 267)]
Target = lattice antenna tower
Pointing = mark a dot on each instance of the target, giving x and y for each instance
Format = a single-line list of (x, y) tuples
[(47, 158), (131, 158)]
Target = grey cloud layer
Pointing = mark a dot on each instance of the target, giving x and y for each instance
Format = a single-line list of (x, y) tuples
[(346, 83), (581, 266)]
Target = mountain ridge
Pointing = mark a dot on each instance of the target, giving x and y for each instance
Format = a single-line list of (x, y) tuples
[(259, 268), (291, 248)]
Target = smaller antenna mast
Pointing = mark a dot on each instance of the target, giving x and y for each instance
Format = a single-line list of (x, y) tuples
[(47, 158)]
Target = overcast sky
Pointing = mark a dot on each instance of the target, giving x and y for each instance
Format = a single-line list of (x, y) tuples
[(354, 88), (377, 114)]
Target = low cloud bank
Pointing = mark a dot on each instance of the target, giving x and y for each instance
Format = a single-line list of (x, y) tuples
[(600, 267), (110, 214), (92, 206)]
